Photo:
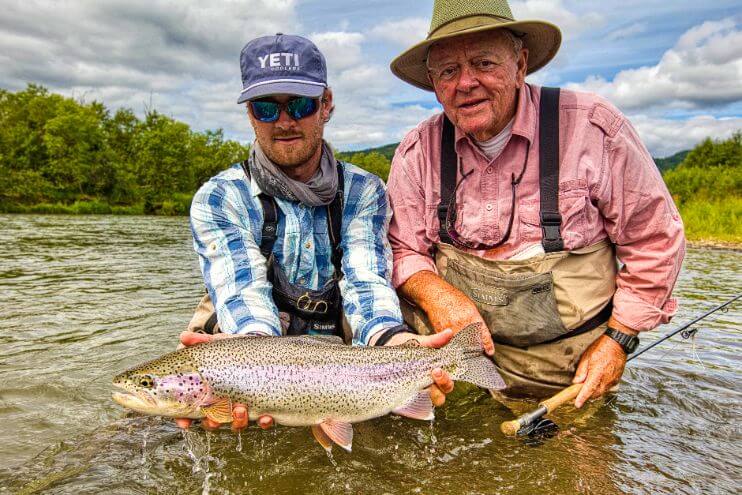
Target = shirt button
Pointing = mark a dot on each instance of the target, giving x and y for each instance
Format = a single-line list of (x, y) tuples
[(308, 245), (489, 207), (302, 281), (489, 170)]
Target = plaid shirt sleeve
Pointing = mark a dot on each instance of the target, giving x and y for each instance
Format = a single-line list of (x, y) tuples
[(369, 301), (224, 216)]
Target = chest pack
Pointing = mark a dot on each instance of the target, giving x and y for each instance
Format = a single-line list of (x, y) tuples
[(309, 311)]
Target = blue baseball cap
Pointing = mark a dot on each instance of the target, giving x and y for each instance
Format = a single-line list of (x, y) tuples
[(282, 64)]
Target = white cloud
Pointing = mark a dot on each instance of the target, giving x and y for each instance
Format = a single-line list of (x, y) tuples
[(341, 49), (704, 68), (376, 123), (183, 57), (664, 137), (555, 12), (627, 31), (404, 32), (124, 52)]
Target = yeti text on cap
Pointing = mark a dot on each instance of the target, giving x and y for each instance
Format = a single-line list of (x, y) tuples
[(273, 60)]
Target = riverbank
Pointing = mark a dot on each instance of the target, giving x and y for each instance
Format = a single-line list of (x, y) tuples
[(700, 228)]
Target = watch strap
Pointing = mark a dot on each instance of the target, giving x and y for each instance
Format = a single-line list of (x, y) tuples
[(388, 333), (628, 343)]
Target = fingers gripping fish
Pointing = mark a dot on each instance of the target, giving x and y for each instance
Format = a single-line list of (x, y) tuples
[(302, 381)]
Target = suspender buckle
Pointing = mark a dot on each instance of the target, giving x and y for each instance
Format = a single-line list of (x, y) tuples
[(442, 211), (551, 225)]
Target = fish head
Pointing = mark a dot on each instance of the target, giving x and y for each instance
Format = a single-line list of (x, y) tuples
[(169, 386)]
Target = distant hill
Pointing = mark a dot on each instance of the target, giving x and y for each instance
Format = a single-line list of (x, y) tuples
[(387, 151), (671, 162)]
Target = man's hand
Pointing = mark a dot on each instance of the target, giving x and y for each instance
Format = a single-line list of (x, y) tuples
[(445, 305), (600, 368), (442, 382), (239, 411)]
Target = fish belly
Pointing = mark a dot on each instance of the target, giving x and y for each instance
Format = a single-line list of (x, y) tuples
[(303, 396)]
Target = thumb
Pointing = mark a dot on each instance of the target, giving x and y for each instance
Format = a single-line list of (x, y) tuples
[(192, 338), (436, 340), (582, 369)]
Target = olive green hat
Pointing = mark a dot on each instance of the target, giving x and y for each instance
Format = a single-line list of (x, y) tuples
[(453, 18)]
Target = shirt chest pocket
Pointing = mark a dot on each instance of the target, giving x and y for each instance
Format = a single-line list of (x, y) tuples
[(573, 203)]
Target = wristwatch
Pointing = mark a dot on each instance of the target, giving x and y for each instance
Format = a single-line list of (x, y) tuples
[(628, 343)]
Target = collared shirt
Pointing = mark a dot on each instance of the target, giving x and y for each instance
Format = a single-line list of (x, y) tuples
[(227, 221), (609, 187)]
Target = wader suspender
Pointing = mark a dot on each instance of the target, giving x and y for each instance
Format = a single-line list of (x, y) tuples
[(449, 168), (550, 219), (334, 223)]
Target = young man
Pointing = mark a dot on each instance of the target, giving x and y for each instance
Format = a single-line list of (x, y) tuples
[(512, 207), (292, 241)]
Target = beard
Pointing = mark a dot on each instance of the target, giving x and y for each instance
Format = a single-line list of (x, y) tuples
[(293, 155)]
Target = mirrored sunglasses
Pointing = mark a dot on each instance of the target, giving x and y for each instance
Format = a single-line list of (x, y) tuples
[(296, 108)]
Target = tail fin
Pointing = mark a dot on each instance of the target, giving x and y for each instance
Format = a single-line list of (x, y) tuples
[(472, 365)]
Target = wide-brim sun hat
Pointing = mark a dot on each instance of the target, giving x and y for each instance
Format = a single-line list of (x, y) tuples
[(452, 18)]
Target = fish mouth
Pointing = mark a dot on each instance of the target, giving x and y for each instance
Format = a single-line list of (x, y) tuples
[(142, 402), (138, 400)]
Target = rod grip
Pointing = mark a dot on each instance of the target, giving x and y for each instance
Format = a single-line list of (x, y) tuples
[(560, 398)]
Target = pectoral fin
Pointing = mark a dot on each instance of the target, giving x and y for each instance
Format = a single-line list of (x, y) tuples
[(322, 437), (418, 407), (219, 411), (339, 432)]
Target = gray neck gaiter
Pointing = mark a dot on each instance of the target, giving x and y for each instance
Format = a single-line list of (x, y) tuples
[(319, 190)]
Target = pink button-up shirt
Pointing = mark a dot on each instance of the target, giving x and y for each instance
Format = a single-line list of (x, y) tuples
[(609, 187)]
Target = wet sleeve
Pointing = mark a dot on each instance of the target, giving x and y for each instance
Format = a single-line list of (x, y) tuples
[(645, 226), (369, 301), (235, 273), (411, 246)]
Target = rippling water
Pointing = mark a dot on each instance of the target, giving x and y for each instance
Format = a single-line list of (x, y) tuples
[(86, 297)]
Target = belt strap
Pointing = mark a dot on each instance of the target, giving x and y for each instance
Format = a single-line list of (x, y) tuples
[(589, 325), (449, 168), (551, 220)]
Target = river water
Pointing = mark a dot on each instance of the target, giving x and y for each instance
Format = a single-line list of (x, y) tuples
[(86, 297)]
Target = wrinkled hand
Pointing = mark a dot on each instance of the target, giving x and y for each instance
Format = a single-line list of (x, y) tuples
[(600, 368), (442, 382), (459, 316), (239, 411)]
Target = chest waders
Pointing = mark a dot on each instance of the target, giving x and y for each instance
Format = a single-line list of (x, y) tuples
[(302, 311), (545, 311)]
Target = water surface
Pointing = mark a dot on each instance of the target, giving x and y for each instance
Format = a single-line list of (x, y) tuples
[(86, 297)]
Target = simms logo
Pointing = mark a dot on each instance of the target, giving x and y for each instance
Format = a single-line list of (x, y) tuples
[(280, 61)]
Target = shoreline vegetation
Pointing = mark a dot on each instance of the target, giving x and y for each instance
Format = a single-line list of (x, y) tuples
[(59, 155)]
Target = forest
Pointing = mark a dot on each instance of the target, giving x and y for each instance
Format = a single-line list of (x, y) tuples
[(61, 155)]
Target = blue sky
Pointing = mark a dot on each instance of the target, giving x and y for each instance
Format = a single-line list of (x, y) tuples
[(675, 68)]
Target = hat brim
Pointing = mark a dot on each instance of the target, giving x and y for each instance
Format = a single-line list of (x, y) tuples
[(542, 39), (298, 88)]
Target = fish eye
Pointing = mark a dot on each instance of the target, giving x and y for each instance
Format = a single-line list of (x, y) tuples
[(147, 381)]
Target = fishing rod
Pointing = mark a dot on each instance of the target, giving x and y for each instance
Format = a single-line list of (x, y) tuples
[(533, 423)]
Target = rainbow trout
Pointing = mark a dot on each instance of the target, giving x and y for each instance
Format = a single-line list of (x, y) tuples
[(302, 381)]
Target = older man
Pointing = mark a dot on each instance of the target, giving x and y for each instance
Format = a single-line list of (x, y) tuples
[(292, 241), (511, 207)]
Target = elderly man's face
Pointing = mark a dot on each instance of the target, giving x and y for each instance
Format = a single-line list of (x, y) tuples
[(291, 143), (476, 78)]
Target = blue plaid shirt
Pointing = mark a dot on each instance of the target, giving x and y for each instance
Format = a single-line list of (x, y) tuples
[(227, 221)]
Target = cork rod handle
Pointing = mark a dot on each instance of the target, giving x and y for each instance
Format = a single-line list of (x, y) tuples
[(560, 398)]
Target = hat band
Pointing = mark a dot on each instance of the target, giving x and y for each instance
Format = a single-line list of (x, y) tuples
[(282, 81), (469, 22)]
